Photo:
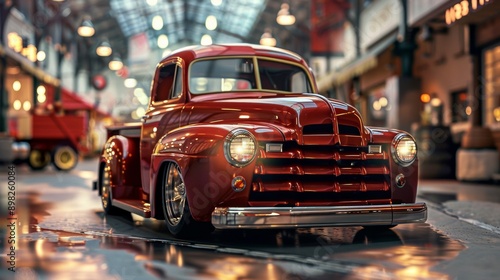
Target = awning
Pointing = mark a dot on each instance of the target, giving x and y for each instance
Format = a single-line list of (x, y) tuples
[(356, 67), (70, 101)]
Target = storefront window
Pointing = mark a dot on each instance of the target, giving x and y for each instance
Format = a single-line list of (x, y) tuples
[(492, 86), (378, 105), (460, 106)]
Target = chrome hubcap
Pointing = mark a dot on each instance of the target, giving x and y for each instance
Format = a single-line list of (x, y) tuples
[(175, 195)]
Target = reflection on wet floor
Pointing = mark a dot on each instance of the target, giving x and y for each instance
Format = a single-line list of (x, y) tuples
[(89, 245)]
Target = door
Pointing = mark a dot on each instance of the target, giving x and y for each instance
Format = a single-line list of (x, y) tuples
[(163, 114)]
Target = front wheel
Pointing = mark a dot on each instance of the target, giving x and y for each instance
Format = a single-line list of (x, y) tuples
[(64, 158), (176, 208)]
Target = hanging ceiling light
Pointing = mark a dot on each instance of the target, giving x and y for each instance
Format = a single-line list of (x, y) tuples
[(115, 64), (86, 29), (216, 2), (104, 49), (284, 17), (157, 23), (41, 55), (267, 39), (211, 22), (130, 83), (206, 40), (162, 41)]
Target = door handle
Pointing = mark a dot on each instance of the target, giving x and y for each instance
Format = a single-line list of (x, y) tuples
[(146, 117)]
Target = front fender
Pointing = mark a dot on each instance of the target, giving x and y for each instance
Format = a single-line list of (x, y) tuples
[(408, 193), (381, 135), (200, 139), (198, 150)]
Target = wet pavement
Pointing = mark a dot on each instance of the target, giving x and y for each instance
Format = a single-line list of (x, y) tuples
[(472, 202), (62, 233)]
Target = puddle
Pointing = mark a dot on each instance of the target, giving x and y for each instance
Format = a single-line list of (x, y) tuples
[(399, 254)]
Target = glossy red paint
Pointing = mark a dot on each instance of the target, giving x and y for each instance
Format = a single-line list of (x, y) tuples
[(323, 158)]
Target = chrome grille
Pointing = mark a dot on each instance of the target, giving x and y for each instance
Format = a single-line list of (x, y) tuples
[(321, 173)]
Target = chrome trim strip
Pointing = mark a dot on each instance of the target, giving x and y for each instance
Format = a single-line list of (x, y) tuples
[(318, 216)]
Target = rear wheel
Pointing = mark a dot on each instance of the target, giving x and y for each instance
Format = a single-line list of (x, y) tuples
[(38, 159), (64, 158), (105, 185), (176, 207)]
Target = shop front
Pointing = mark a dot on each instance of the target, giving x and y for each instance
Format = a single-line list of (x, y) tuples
[(458, 62)]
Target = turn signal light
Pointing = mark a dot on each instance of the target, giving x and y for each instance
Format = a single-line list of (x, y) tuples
[(238, 183), (400, 180)]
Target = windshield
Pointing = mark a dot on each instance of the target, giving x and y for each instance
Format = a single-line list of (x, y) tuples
[(239, 74)]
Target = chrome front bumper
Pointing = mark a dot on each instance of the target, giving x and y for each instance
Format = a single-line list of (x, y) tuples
[(318, 216)]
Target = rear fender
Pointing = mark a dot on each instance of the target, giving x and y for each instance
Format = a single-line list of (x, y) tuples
[(122, 154)]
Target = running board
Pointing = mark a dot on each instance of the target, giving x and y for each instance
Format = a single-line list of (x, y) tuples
[(133, 206)]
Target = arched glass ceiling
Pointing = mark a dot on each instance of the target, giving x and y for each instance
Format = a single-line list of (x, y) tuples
[(184, 20)]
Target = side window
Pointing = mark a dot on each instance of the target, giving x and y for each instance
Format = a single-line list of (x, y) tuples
[(281, 76), (165, 83), (178, 83)]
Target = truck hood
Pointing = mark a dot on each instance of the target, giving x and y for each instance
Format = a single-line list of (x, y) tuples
[(309, 119)]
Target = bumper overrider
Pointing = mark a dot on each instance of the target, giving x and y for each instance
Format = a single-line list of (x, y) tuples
[(318, 216)]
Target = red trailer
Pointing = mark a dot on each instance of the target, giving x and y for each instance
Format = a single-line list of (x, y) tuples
[(46, 135), (50, 138)]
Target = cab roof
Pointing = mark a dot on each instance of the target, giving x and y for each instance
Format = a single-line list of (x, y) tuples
[(191, 53)]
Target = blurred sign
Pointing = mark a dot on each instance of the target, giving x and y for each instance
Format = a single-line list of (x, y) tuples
[(462, 9), (418, 10), (138, 53), (379, 20), (99, 82), (327, 22)]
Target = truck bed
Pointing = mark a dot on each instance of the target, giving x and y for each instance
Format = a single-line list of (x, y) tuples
[(126, 129)]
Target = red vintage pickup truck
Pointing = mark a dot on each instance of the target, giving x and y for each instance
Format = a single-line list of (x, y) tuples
[(235, 136)]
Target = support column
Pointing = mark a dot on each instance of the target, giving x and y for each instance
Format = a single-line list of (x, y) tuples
[(406, 46), (4, 100), (6, 154), (5, 7)]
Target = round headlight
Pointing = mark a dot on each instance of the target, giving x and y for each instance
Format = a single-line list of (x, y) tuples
[(404, 149), (240, 147)]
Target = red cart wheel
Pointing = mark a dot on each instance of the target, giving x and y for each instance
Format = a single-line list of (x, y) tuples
[(38, 159), (64, 158)]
